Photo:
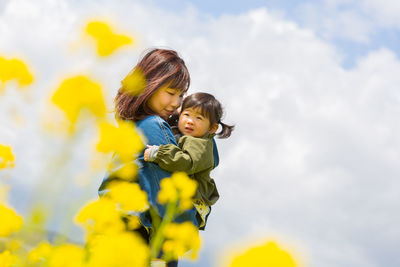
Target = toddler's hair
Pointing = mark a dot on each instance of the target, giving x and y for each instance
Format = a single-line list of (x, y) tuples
[(210, 108)]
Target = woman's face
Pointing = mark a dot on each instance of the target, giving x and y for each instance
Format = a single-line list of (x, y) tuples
[(165, 101)]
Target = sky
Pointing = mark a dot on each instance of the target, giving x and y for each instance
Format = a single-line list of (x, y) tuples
[(312, 87)]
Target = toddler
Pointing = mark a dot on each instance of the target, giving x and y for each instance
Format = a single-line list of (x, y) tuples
[(198, 123)]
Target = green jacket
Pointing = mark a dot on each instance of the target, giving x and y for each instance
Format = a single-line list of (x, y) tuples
[(195, 157)]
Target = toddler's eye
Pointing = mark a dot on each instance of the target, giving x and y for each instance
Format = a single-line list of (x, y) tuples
[(199, 118)]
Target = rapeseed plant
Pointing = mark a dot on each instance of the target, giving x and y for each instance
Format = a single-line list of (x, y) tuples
[(77, 94), (14, 70), (10, 221), (107, 42), (7, 157)]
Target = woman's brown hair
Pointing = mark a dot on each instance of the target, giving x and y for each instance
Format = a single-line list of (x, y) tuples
[(160, 67), (210, 108)]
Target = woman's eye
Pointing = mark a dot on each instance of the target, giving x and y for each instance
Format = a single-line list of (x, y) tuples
[(170, 93)]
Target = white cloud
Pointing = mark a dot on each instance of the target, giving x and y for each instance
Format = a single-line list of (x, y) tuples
[(350, 20), (386, 13), (314, 157)]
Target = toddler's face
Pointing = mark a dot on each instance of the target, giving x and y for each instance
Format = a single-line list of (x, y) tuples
[(193, 123)]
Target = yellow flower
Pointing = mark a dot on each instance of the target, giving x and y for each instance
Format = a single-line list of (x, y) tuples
[(100, 216), (79, 93), (268, 254), (185, 185), (179, 186), (126, 171), (122, 249), (168, 192), (128, 195), (40, 253), (14, 69), (135, 82), (6, 157), (63, 255), (7, 259), (67, 255), (10, 221), (123, 140), (106, 40), (181, 238), (133, 222)]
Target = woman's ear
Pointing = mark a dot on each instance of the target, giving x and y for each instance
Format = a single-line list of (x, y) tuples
[(213, 128)]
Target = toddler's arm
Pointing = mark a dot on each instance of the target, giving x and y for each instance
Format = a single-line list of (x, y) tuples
[(191, 156)]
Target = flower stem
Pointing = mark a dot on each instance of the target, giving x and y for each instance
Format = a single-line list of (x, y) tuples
[(158, 239)]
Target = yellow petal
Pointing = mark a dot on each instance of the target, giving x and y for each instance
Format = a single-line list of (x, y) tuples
[(106, 40), (15, 69), (129, 196), (10, 221), (6, 157), (267, 254), (122, 139), (77, 93), (134, 83)]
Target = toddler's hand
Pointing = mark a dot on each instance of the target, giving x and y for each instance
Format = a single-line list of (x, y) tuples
[(146, 153)]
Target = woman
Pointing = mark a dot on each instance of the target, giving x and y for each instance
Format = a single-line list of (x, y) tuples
[(167, 80)]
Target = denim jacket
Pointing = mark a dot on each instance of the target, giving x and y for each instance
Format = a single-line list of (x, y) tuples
[(157, 132)]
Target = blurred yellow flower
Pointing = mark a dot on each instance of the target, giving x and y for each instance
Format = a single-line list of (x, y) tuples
[(268, 254), (79, 93), (122, 139), (129, 196), (132, 222), (40, 253), (106, 40), (182, 239), (135, 82), (14, 244), (64, 255), (168, 192), (6, 157), (178, 186), (14, 69), (126, 171), (7, 259), (122, 249), (10, 221), (67, 255), (100, 216)]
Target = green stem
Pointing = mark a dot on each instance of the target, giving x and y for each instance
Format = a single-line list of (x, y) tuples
[(158, 239)]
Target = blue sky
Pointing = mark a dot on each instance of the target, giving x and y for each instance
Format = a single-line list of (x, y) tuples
[(311, 86)]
